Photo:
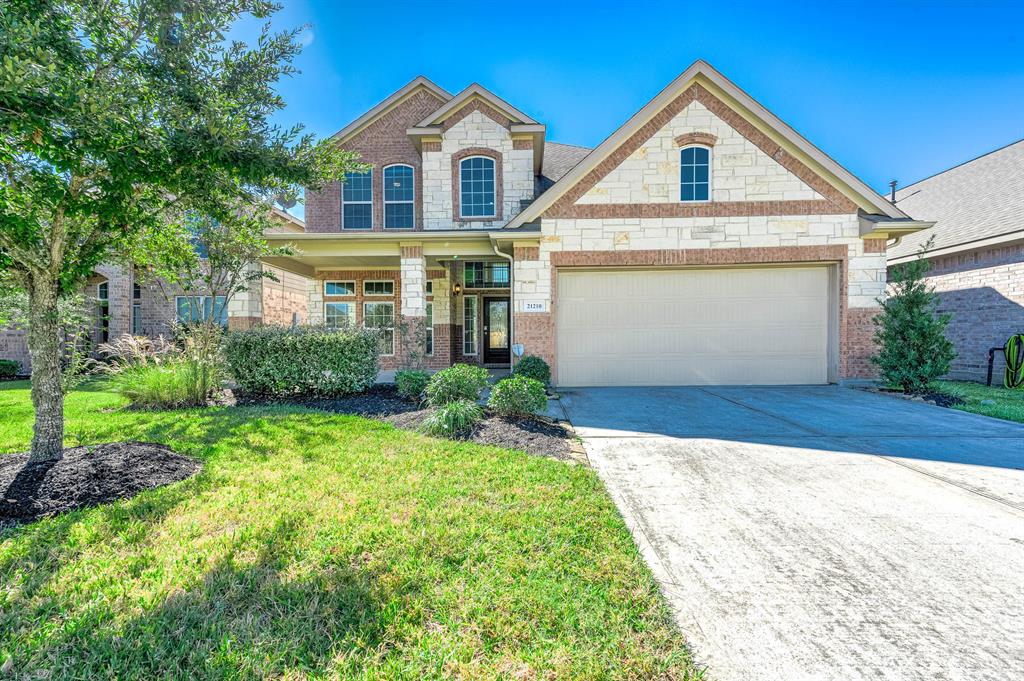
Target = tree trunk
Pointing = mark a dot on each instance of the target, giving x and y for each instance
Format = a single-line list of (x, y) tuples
[(44, 346)]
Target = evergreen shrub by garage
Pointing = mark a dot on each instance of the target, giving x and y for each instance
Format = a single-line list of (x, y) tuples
[(280, 360), (518, 396)]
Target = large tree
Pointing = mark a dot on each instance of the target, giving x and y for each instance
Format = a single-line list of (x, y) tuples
[(111, 114)]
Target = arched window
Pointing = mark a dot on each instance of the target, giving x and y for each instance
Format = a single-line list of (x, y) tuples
[(476, 187), (399, 197), (695, 174), (357, 201)]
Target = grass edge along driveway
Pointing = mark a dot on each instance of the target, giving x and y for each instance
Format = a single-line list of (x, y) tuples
[(315, 545)]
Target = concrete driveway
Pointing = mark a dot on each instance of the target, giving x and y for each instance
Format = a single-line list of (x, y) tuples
[(821, 532)]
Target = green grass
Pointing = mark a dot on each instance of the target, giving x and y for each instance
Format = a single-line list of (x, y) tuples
[(318, 546), (992, 400)]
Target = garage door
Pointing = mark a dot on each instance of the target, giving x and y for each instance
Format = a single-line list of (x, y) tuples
[(767, 326)]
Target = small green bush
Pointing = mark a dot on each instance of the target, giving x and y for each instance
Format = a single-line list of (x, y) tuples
[(8, 368), (518, 396), (281, 360), (411, 383), (453, 419), (533, 367), (177, 383), (457, 382)]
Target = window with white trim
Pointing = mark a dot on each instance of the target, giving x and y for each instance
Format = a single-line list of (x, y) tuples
[(136, 309), (357, 201), (339, 288), (430, 329), (486, 275), (399, 197), (192, 309), (378, 288), (339, 315), (381, 317), (694, 174), (476, 187), (103, 310), (469, 332)]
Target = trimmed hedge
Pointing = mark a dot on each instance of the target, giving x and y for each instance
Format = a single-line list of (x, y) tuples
[(411, 383), (9, 368), (518, 396), (532, 366), (457, 382), (279, 360)]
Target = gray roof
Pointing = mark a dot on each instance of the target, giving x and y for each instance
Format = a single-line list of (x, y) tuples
[(558, 160), (978, 199)]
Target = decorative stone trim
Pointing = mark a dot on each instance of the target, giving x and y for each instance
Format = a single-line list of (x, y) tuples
[(565, 206), (875, 245), (411, 251), (432, 145), (699, 210), (522, 144), (702, 138), (476, 105), (499, 193)]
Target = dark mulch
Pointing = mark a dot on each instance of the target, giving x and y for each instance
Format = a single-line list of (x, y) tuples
[(939, 399), (86, 476), (380, 400), (530, 435)]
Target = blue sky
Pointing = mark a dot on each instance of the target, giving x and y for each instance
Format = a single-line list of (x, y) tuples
[(890, 90)]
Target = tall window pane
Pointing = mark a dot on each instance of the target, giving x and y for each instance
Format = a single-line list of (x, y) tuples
[(381, 316), (476, 187), (399, 197), (469, 334), (357, 201), (430, 329), (694, 174)]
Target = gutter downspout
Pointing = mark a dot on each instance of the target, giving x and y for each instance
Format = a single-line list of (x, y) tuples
[(511, 301)]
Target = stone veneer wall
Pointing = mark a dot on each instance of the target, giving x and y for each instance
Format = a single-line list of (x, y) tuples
[(476, 129), (984, 291), (728, 240), (739, 170)]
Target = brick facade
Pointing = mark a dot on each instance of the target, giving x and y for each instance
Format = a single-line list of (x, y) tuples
[(383, 142), (984, 291)]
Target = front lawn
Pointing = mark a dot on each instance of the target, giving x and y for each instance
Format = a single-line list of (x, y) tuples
[(326, 546), (992, 400)]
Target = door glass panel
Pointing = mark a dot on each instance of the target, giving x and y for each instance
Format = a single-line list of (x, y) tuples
[(497, 333)]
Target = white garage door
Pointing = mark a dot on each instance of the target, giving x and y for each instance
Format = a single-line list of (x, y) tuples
[(767, 326)]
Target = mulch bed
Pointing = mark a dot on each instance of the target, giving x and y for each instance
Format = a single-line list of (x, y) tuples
[(938, 399), (86, 476), (383, 402)]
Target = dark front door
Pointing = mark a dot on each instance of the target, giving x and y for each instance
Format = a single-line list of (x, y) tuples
[(496, 340)]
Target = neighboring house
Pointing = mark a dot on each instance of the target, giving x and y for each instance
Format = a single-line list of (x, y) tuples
[(703, 242), (120, 303), (977, 252)]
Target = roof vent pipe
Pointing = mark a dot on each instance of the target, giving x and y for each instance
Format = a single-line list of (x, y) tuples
[(892, 191)]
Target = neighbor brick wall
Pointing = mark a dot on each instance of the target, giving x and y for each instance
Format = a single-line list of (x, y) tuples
[(984, 291), (381, 143)]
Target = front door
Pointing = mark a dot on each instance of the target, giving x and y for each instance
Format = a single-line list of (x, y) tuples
[(496, 340)]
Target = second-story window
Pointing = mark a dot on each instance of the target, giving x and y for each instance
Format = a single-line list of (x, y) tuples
[(476, 187), (357, 201), (694, 174), (399, 197)]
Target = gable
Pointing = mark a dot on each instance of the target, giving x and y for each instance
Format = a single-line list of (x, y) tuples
[(740, 171), (751, 173)]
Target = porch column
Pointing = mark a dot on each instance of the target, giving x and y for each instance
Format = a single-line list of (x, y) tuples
[(245, 309), (413, 301), (119, 299)]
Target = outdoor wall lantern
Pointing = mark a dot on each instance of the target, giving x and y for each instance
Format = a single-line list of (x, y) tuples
[(457, 289)]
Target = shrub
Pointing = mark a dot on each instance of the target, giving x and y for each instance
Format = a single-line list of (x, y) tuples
[(9, 368), (127, 350), (179, 382), (518, 396), (532, 366), (913, 348), (457, 382), (281, 360), (453, 419), (411, 383)]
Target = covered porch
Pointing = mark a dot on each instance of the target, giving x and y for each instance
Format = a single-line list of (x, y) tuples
[(439, 298)]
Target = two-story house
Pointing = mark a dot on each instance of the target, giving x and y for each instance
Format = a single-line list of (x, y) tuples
[(703, 242)]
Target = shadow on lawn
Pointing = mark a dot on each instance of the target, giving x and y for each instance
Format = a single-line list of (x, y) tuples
[(245, 617)]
